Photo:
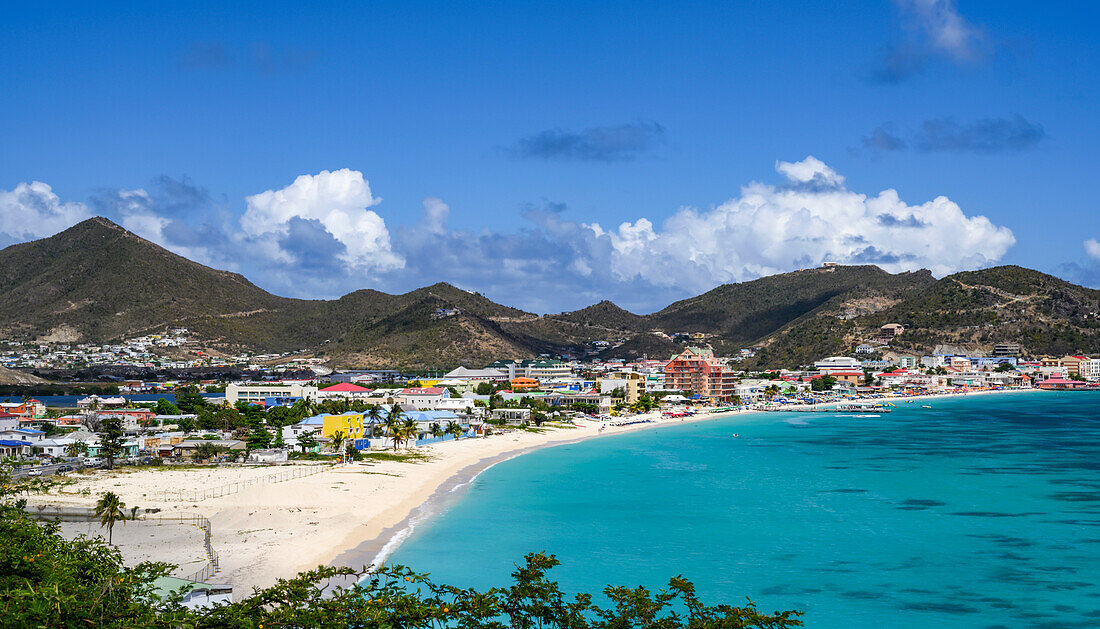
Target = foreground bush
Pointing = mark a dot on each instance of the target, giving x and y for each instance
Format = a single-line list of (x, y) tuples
[(48, 581)]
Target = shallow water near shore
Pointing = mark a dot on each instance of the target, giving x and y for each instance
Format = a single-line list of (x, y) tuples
[(980, 511)]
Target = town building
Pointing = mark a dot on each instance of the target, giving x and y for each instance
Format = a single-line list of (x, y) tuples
[(423, 398), (477, 375), (27, 408), (262, 393), (343, 390)]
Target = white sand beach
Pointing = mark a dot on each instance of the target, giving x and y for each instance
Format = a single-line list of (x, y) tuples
[(267, 530)]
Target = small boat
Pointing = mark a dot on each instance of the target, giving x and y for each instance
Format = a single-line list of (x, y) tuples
[(925, 406)]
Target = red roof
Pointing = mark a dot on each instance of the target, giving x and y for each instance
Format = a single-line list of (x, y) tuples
[(345, 387), (1058, 379), (423, 391)]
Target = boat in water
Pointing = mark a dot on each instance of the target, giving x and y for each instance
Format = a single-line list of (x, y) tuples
[(862, 407)]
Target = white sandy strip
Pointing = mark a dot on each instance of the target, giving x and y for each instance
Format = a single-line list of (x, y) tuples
[(276, 530)]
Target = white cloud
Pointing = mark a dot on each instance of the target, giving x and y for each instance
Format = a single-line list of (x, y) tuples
[(944, 28), (810, 170), (772, 229), (1092, 247), (435, 215), (338, 202), (319, 237), (33, 210)]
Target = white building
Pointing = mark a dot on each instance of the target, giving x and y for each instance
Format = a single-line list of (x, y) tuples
[(257, 393), (54, 447), (424, 398), (838, 363), (476, 375)]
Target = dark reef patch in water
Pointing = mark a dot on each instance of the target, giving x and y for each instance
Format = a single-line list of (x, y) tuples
[(943, 608)]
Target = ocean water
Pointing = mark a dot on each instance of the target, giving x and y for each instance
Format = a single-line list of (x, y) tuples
[(977, 512)]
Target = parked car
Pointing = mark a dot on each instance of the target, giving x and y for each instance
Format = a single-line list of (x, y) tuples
[(34, 472)]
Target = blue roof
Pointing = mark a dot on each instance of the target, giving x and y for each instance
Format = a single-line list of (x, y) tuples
[(29, 431), (8, 443), (431, 416)]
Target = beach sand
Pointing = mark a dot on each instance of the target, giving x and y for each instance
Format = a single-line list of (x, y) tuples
[(348, 515)]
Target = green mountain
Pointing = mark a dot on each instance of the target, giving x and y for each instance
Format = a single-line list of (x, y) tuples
[(97, 282)]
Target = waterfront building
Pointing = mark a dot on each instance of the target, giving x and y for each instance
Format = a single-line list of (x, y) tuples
[(697, 370), (1058, 383), (837, 363), (630, 383)]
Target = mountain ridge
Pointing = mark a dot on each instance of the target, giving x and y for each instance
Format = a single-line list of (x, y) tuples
[(98, 282)]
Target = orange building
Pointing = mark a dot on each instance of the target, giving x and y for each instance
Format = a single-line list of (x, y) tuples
[(27, 408), (697, 370), (524, 384)]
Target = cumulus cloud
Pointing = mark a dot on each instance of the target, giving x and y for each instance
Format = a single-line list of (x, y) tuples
[(770, 229), (33, 210), (810, 171), (337, 202), (322, 236), (599, 144), (934, 29), (988, 135), (1092, 248)]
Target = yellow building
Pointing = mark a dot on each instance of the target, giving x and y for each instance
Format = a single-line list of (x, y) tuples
[(350, 423), (632, 385)]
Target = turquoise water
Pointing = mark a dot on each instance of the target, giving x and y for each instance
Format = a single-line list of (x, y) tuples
[(977, 512)]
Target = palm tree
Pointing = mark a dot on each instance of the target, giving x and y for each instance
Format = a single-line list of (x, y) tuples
[(110, 509), (437, 430), (408, 431), (338, 439), (75, 449), (374, 414), (393, 424), (453, 428)]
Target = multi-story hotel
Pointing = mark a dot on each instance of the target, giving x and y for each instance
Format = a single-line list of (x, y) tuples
[(698, 371)]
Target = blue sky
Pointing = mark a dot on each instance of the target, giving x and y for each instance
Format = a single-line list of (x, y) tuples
[(551, 155)]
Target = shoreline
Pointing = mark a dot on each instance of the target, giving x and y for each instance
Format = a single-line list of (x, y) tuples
[(374, 552), (355, 514)]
